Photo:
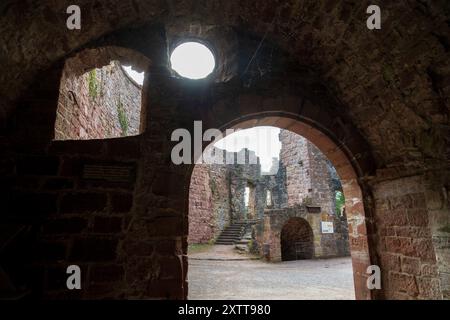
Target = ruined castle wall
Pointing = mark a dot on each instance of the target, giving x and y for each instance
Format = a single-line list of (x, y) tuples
[(308, 174), (102, 103), (201, 217), (311, 180), (209, 202)]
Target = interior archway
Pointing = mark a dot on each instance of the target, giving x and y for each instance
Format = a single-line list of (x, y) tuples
[(350, 167), (297, 240)]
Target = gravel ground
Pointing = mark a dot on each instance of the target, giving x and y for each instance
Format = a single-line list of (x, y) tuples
[(217, 274)]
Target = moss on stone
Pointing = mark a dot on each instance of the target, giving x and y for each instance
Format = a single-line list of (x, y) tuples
[(123, 120), (93, 85), (388, 74), (445, 229)]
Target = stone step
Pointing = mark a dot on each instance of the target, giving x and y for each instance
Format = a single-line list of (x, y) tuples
[(229, 237)]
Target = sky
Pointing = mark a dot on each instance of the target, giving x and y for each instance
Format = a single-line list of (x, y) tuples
[(136, 76), (263, 140)]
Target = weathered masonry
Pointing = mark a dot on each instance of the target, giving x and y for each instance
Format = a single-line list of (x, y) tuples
[(376, 104), (302, 184)]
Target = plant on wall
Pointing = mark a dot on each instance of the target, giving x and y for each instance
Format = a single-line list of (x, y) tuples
[(93, 85), (123, 120)]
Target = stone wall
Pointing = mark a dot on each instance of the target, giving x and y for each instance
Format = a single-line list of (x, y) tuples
[(268, 233), (216, 195), (101, 103), (311, 180), (202, 226), (308, 173), (391, 123), (405, 245)]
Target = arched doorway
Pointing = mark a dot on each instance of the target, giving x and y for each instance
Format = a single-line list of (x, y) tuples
[(349, 157), (297, 240)]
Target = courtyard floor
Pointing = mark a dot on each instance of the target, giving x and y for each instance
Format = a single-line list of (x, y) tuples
[(220, 272)]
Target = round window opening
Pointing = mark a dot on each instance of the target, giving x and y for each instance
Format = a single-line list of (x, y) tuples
[(192, 60)]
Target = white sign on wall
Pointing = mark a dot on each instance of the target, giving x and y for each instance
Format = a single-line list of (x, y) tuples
[(327, 227)]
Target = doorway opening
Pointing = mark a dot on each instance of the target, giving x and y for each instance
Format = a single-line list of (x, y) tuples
[(282, 219)]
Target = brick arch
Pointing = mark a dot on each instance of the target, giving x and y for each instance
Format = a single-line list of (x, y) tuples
[(348, 154), (297, 240)]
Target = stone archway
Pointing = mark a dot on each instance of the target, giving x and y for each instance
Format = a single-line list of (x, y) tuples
[(297, 240), (340, 143), (349, 156), (157, 232)]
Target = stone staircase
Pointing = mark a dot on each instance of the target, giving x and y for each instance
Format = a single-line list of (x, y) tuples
[(234, 232)]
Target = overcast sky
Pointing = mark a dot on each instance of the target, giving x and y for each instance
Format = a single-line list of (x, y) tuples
[(263, 140), (136, 76)]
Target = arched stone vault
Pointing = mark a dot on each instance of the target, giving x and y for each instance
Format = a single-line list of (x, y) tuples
[(403, 63), (376, 103)]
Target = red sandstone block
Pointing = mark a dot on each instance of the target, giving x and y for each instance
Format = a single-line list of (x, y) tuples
[(106, 273), (58, 184), (399, 245), (106, 290), (93, 249), (128, 148), (166, 289), (107, 225), (83, 203), (429, 270), (121, 202), (358, 243), (417, 217), (91, 147), (410, 265), (171, 267), (185, 266), (38, 165), (168, 247), (65, 226), (166, 227), (413, 232), (404, 283), (424, 249), (390, 262), (168, 184), (33, 204), (50, 251), (72, 167), (429, 288), (139, 248), (394, 217)]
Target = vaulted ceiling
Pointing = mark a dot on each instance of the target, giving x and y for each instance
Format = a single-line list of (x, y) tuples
[(393, 83)]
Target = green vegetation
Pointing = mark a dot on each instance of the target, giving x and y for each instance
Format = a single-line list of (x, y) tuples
[(388, 74), (307, 201), (123, 120), (445, 229), (93, 85), (199, 247), (340, 202)]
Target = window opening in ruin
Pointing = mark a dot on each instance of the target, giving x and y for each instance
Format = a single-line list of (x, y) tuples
[(136, 76), (192, 60), (247, 197), (269, 198), (101, 103)]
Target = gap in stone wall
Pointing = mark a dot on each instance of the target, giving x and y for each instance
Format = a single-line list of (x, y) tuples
[(101, 103)]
